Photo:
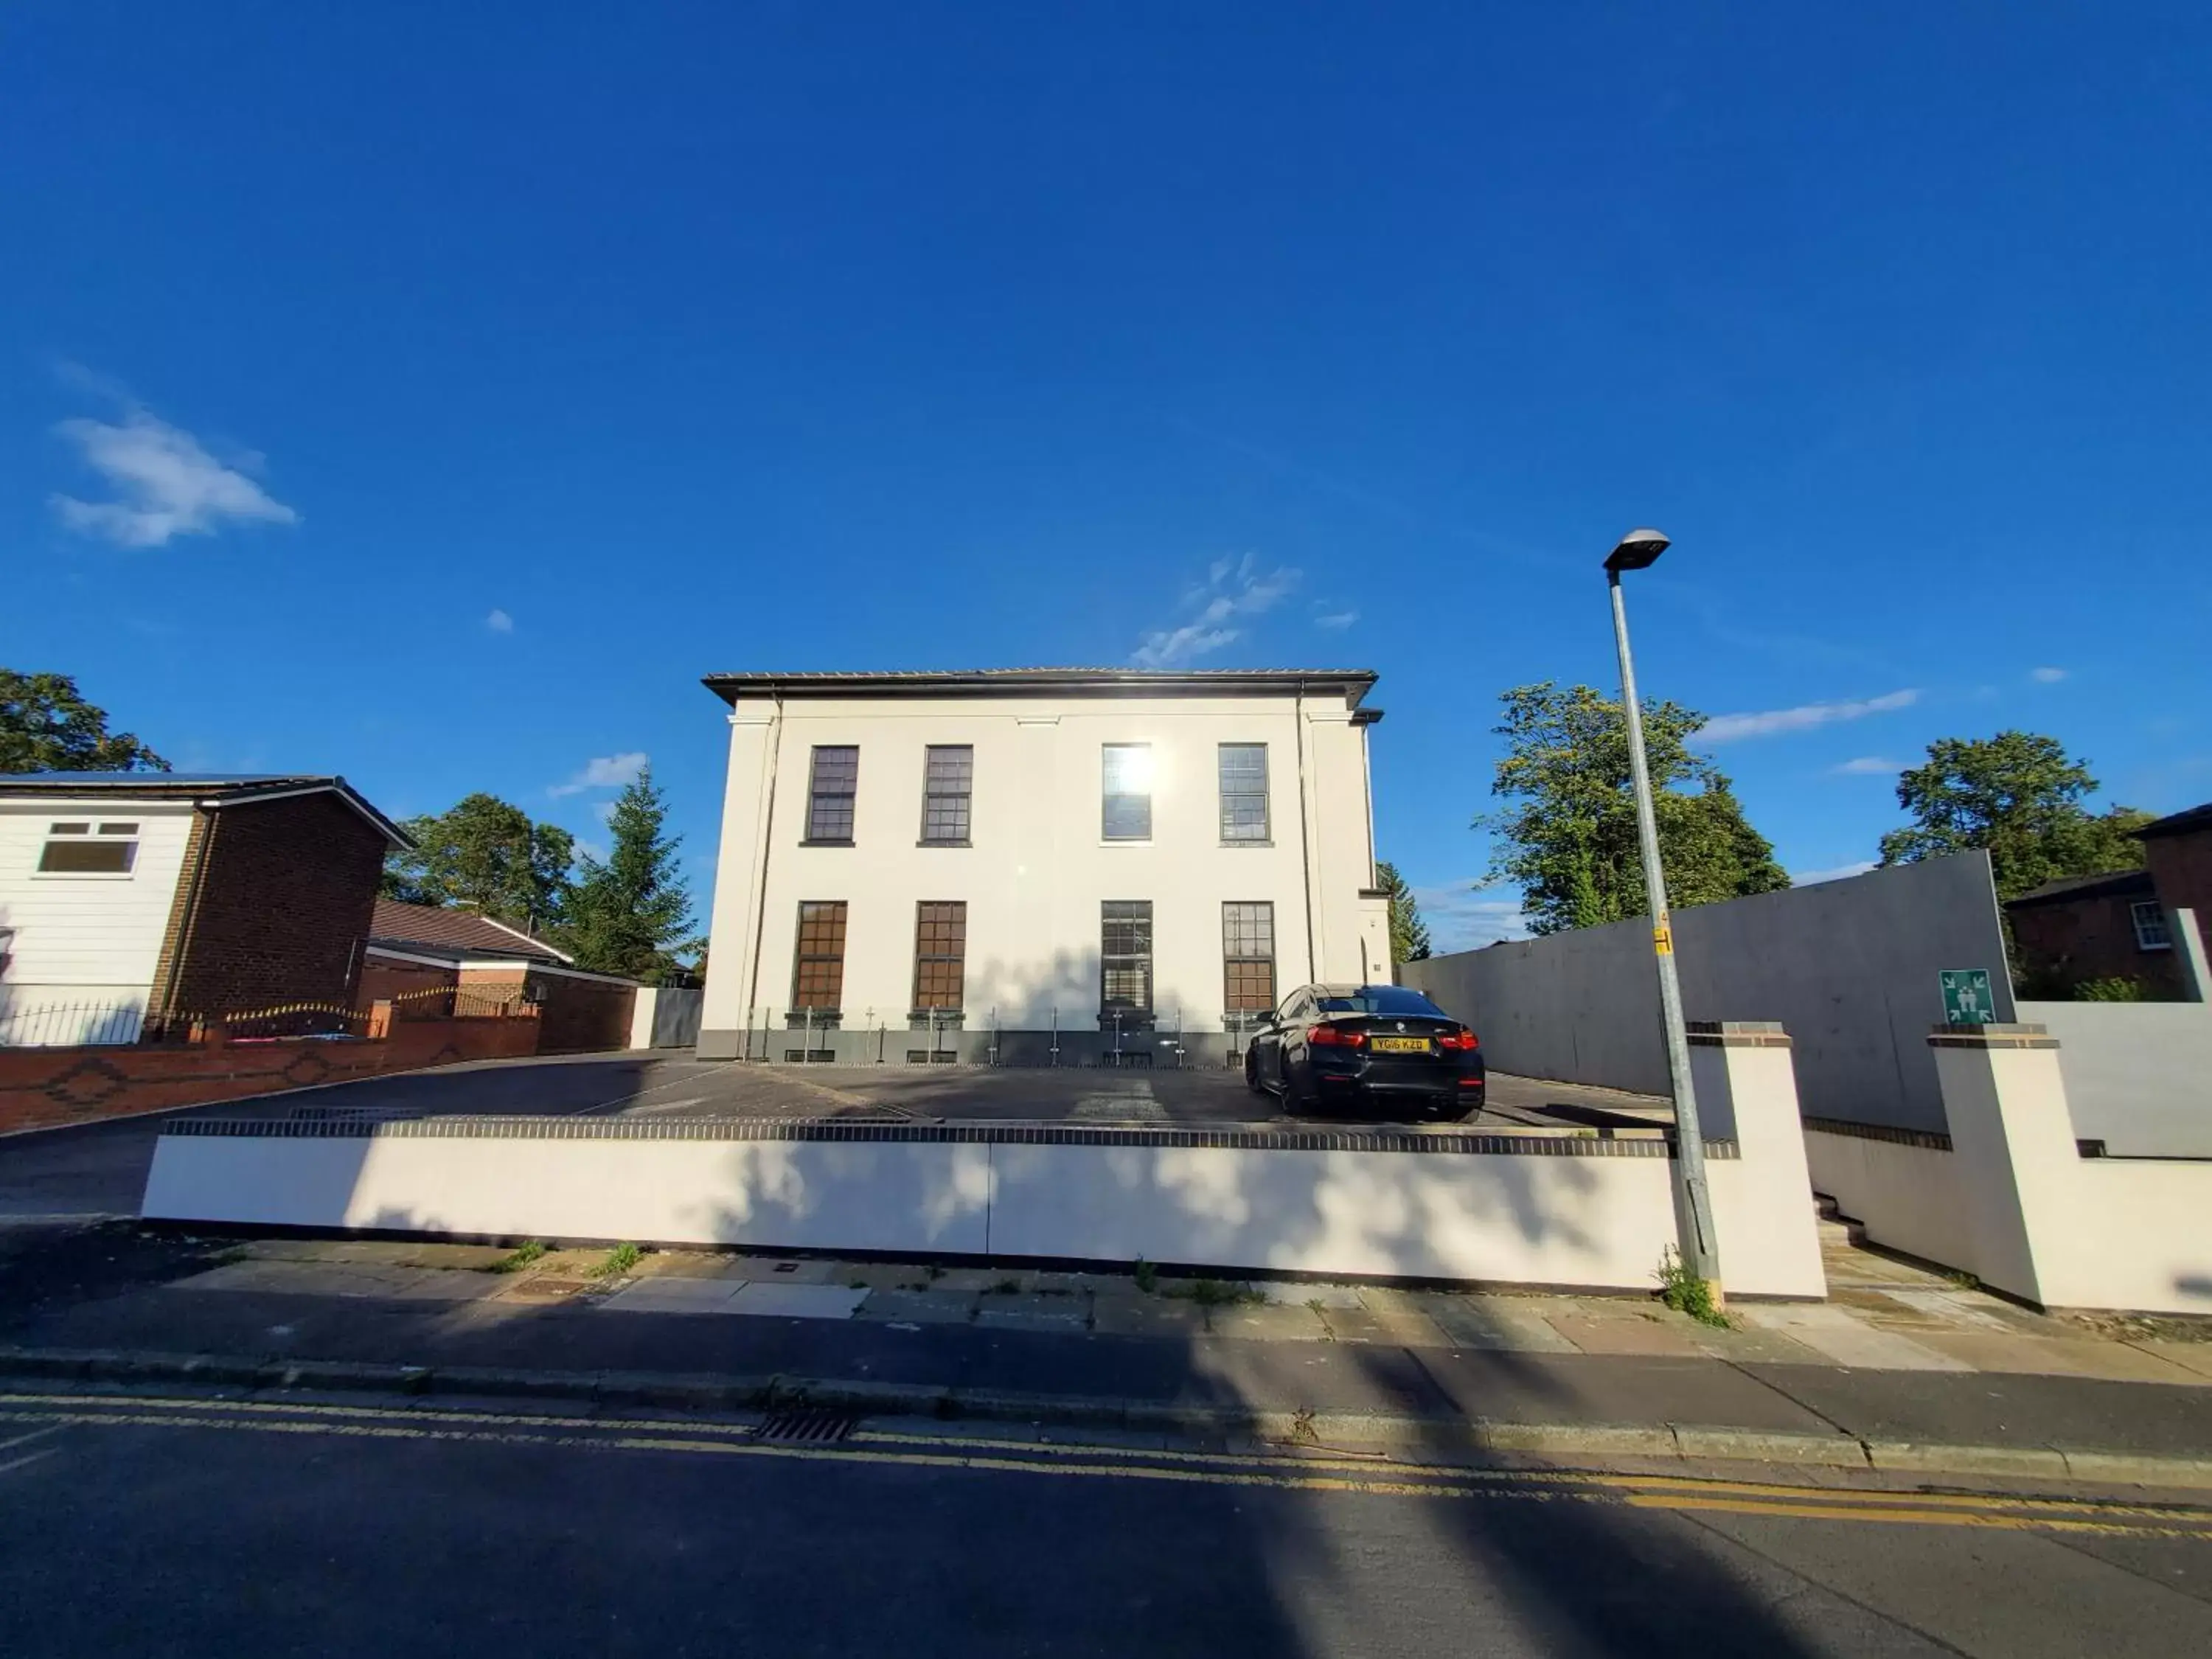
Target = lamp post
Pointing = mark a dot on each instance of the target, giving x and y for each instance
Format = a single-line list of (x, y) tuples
[(1693, 1207)]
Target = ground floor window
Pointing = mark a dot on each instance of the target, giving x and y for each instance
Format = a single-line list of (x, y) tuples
[(1248, 954), (817, 978), (941, 957), (1125, 959)]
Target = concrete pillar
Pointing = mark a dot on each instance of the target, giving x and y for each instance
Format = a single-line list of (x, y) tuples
[(2189, 947), (1747, 1089), (2012, 1145)]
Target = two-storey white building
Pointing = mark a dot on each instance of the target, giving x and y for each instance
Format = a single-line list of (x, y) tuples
[(1039, 863)]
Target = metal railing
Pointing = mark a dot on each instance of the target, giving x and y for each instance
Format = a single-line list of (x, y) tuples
[(70, 1024)]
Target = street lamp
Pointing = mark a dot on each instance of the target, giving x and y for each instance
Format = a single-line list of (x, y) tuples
[(1693, 1208)]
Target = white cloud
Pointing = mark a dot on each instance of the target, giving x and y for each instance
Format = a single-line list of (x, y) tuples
[(500, 622), (165, 484), (1841, 872), (1728, 728), (1869, 766), (1232, 589), (606, 772), (1460, 918), (1335, 618), (2047, 676)]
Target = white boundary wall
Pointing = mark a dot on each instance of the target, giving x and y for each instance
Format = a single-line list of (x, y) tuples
[(1586, 1219), (2014, 1202)]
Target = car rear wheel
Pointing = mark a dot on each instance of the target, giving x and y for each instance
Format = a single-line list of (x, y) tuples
[(1252, 1071)]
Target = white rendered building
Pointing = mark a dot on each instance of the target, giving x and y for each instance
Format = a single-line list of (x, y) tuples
[(1036, 865)]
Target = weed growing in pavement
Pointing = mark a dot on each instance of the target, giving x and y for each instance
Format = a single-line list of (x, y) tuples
[(1959, 1280), (936, 1271), (856, 1283), (1007, 1287), (1147, 1276), (1684, 1292), (520, 1257), (1212, 1293), (619, 1260)]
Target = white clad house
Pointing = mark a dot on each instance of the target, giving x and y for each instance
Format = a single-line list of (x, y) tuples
[(1036, 864)]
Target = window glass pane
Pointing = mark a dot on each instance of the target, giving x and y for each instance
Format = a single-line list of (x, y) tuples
[(70, 830), (947, 784), (830, 789), (1126, 955), (107, 858), (818, 974), (1128, 791), (940, 955), (118, 829), (1248, 950), (1243, 791), (1380, 1000)]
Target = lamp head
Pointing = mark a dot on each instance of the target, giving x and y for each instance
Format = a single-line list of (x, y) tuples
[(1638, 551)]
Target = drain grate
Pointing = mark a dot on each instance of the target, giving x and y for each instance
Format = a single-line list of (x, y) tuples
[(816, 1426)]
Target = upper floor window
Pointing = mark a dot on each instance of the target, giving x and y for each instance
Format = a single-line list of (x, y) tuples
[(1243, 791), (87, 850), (1129, 806), (830, 792), (947, 788), (2151, 934)]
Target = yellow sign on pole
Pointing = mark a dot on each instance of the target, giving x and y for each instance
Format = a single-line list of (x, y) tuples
[(1662, 939)]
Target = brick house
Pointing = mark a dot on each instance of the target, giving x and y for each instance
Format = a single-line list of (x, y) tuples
[(419, 948), (2121, 925), (131, 896)]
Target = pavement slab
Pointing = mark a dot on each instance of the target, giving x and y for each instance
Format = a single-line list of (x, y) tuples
[(785, 1301), (1068, 1314), (918, 1307), (1269, 1323), (2196, 1356), (2050, 1357), (675, 1295), (1155, 1316), (1834, 1332), (1626, 1334), (1404, 1330), (1495, 1322)]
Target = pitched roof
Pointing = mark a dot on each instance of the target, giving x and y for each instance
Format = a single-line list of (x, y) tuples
[(200, 788), (2113, 884), (2190, 822), (1352, 683), (438, 929)]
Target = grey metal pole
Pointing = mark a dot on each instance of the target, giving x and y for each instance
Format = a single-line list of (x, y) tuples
[(1693, 1205)]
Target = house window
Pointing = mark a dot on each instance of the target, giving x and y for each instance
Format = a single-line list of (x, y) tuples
[(948, 785), (1248, 954), (1243, 791), (2150, 926), (941, 957), (830, 792), (1125, 957), (818, 977), (87, 850), (1128, 814)]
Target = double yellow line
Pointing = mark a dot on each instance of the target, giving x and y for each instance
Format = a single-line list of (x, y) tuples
[(1291, 1470)]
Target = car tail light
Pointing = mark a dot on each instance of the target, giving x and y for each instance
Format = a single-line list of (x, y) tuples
[(1462, 1038), (1335, 1036)]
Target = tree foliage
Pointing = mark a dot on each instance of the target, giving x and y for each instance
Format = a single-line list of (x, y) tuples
[(487, 853), (1409, 935), (627, 914), (46, 726), (2019, 796), (1567, 836)]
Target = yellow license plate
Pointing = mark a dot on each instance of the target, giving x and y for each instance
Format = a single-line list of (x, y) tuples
[(1402, 1045)]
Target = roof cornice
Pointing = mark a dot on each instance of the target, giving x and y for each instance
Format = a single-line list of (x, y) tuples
[(1351, 683)]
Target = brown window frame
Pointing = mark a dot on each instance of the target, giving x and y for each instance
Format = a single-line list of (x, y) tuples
[(1242, 936), (830, 928), (837, 802), (928, 964)]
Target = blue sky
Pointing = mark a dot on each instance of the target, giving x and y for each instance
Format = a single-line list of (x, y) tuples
[(432, 393)]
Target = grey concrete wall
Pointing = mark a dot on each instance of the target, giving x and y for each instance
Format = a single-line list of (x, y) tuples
[(1849, 968)]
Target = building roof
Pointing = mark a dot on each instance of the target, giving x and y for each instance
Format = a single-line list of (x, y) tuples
[(1352, 683), (2113, 884), (2194, 821), (447, 932), (199, 789)]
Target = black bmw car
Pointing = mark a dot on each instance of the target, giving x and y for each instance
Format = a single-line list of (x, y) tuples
[(1384, 1048)]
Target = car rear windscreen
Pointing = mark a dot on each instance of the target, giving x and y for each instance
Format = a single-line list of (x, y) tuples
[(1382, 999)]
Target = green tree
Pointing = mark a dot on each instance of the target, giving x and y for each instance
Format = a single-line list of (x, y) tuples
[(1567, 837), (630, 914), (45, 726), (2018, 795), (486, 852), (1409, 935)]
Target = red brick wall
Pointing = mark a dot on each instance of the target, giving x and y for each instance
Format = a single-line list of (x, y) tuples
[(283, 907), (46, 1088), (2062, 944), (2181, 868)]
